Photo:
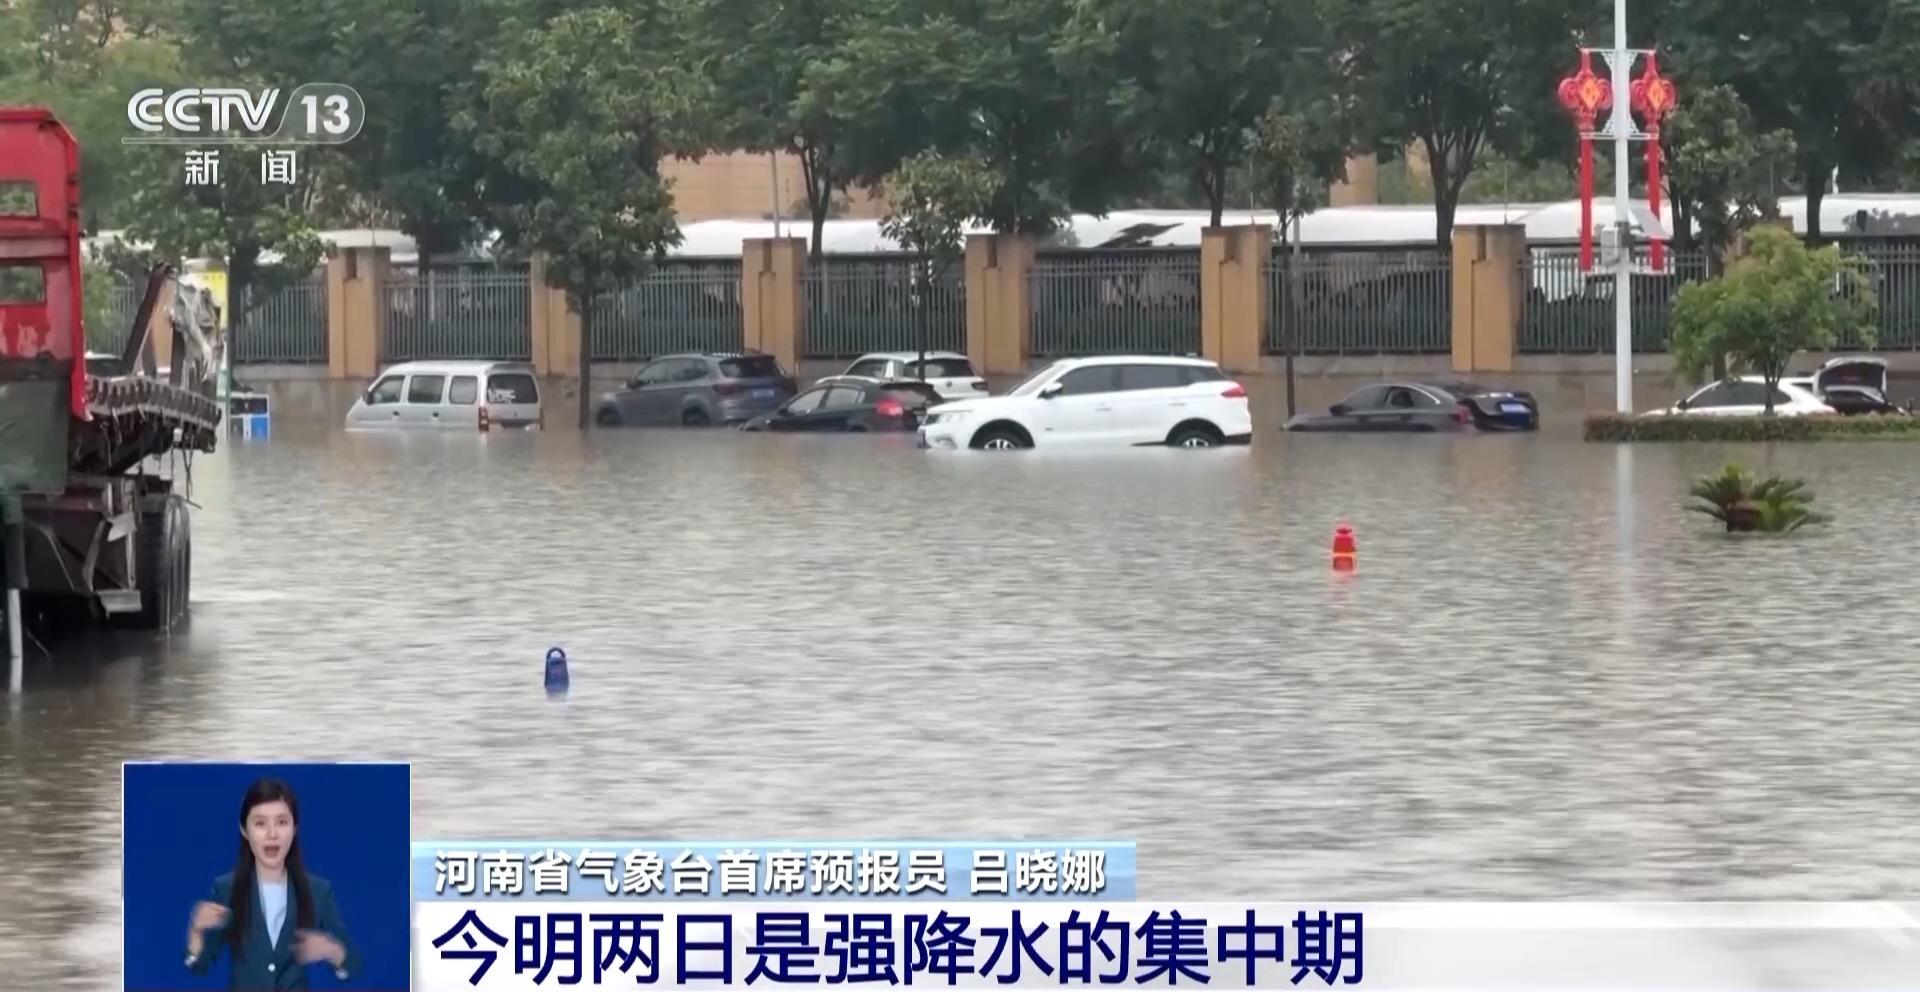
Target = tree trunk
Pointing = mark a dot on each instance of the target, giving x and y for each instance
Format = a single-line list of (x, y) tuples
[(1816, 182), (586, 367), (1214, 178), (819, 196)]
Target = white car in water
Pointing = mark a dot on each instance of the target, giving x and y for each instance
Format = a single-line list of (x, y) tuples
[(950, 373), (1108, 400), (1747, 397)]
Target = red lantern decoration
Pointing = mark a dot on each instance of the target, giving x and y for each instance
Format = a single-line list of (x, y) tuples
[(1585, 96), (1654, 97)]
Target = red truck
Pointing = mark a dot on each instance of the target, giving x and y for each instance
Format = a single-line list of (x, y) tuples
[(96, 526)]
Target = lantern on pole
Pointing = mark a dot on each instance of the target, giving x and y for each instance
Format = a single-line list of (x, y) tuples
[(1654, 97), (1585, 95)]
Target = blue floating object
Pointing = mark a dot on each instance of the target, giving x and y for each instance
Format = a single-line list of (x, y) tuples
[(556, 669)]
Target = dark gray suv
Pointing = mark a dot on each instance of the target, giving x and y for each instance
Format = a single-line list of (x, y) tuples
[(696, 390)]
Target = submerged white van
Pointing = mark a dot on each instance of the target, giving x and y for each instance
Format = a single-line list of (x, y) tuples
[(450, 396)]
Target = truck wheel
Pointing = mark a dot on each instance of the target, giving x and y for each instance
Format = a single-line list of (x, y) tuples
[(162, 565)]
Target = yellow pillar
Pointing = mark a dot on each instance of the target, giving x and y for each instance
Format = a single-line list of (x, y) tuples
[(1233, 294), (773, 303), (1488, 291), (999, 302), (356, 311), (553, 325)]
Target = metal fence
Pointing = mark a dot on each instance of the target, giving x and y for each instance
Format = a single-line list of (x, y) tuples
[(1567, 311), (858, 304), (1360, 302), (287, 326), (457, 314), (685, 304), (1108, 301), (1894, 270), (116, 323)]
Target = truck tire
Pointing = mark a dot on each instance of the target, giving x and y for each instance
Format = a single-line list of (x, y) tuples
[(163, 560)]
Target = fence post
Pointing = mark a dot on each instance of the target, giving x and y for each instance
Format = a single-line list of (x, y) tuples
[(1488, 291), (999, 301), (1233, 295), (773, 302), (553, 327), (356, 311)]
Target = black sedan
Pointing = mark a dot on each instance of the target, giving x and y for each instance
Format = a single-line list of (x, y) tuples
[(1428, 407), (848, 403)]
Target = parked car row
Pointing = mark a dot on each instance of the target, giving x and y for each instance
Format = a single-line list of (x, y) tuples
[(1128, 400), (1850, 385)]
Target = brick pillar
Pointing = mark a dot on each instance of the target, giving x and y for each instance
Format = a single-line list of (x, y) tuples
[(356, 311), (553, 326), (1233, 294), (773, 302), (1487, 295), (999, 303)]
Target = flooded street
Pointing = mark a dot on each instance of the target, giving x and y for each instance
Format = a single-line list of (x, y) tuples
[(1545, 681)]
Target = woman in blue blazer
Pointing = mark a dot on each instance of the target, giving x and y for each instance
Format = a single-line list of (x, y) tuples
[(274, 918)]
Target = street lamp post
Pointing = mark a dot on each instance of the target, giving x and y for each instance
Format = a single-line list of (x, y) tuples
[(1623, 261), (1585, 95)]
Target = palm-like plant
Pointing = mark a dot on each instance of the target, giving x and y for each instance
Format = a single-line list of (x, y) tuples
[(1770, 505)]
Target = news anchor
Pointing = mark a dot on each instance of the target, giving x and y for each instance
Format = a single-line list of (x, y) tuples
[(274, 917)]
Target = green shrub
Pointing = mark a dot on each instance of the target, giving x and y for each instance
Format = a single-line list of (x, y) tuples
[(1614, 427), (1772, 505)]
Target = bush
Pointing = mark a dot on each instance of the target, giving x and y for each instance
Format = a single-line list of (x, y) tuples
[(1614, 427), (1740, 502)]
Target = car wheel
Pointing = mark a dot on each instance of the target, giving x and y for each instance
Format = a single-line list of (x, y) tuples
[(694, 418), (999, 439), (1194, 436), (607, 417)]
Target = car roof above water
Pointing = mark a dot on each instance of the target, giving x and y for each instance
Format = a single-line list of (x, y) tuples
[(457, 367)]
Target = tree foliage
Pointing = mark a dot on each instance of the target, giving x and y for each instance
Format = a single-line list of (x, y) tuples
[(1778, 300), (1190, 79), (931, 201), (1833, 73), (1298, 151), (1449, 77), (582, 110), (1722, 171)]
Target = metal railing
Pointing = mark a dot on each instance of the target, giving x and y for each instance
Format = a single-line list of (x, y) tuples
[(858, 304), (685, 304), (457, 314), (1567, 311), (1894, 271), (1360, 301), (1109, 301), (116, 322), (287, 327)]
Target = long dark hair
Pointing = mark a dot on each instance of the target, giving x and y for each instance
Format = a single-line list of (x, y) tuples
[(267, 790)]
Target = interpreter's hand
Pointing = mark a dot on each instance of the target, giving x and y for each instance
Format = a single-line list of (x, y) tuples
[(310, 946), (207, 915)]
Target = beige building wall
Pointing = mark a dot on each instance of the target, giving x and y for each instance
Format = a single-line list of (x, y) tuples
[(746, 185)]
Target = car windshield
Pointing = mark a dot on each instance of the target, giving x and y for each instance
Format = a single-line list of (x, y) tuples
[(1032, 383)]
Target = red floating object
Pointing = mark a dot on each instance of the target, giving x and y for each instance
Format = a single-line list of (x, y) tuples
[(1343, 543)]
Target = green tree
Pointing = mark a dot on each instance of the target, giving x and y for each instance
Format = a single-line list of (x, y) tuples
[(932, 200), (583, 109), (1449, 78), (760, 56), (261, 232), (1298, 151), (1192, 79), (1778, 300), (1721, 170), (986, 80), (1831, 72)]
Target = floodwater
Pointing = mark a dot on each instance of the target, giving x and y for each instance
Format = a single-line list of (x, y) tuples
[(1544, 681)]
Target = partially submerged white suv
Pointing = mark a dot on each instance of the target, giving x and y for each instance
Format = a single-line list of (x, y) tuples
[(1106, 400)]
